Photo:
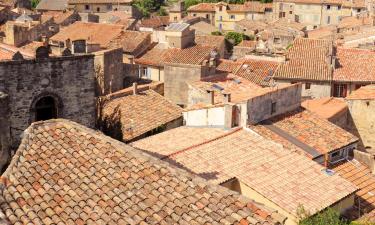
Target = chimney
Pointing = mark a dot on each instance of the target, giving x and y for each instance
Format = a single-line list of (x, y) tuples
[(227, 97), (367, 158), (211, 97), (212, 62), (135, 88)]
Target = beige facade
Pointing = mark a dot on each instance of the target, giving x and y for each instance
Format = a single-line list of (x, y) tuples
[(101, 7), (153, 73), (314, 15), (313, 89), (209, 16)]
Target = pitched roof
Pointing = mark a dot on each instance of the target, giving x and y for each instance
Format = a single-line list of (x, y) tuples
[(354, 65), (361, 176), (54, 5), (140, 113), (210, 40), (252, 24), (357, 3), (228, 66), (255, 162), (307, 59), (130, 41), (353, 21), (363, 93), (327, 107), (312, 130), (156, 56), (257, 70), (202, 7), (7, 51), (155, 22), (194, 55), (92, 32), (69, 174)]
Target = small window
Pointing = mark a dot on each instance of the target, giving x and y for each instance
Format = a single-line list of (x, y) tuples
[(207, 16), (358, 10), (194, 15), (221, 18), (273, 107), (328, 19), (277, 40), (339, 7), (87, 7), (307, 86), (220, 8), (232, 17), (328, 7), (175, 18), (290, 12), (98, 9)]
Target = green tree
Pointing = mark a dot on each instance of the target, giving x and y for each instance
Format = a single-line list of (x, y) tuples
[(162, 12), (236, 38), (34, 3), (326, 217), (146, 7)]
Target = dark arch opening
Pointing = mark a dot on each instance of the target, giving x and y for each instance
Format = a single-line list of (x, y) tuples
[(45, 109)]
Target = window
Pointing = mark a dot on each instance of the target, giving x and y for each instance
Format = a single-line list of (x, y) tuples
[(273, 107), (328, 19), (220, 18), (339, 7), (339, 90), (220, 8), (290, 12), (277, 40), (175, 18), (307, 86), (207, 16), (328, 7), (109, 7), (145, 72), (358, 10), (232, 17), (194, 15), (98, 9), (87, 7)]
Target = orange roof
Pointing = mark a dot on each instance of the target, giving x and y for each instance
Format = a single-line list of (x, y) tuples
[(5, 54), (202, 7), (327, 107), (97, 33), (363, 93), (345, 3), (228, 66), (155, 57), (361, 176), (210, 40), (139, 114), (131, 41), (194, 55), (354, 65), (256, 70), (285, 178), (252, 24), (352, 21), (307, 59), (99, 1), (155, 22), (247, 44), (326, 32), (65, 173), (312, 130)]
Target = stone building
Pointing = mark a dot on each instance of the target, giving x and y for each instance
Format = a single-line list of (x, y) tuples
[(95, 6), (45, 88)]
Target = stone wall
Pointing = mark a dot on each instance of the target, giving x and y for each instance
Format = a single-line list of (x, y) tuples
[(285, 99), (317, 89), (362, 122), (109, 71), (68, 80), (4, 129)]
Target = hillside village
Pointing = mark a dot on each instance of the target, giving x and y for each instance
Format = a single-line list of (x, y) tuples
[(187, 112)]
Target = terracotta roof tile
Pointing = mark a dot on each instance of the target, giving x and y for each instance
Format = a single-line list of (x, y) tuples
[(354, 65), (140, 113), (64, 173), (155, 57), (257, 70), (313, 130), (194, 55), (155, 22), (229, 66), (252, 24), (361, 176), (357, 3), (202, 7), (92, 32), (130, 41), (210, 40), (98, 1), (257, 163), (327, 107), (5, 54), (307, 59), (364, 93)]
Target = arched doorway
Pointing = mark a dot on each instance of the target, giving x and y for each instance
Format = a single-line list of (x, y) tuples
[(45, 109)]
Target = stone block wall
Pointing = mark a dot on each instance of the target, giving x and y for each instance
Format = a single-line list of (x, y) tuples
[(70, 81)]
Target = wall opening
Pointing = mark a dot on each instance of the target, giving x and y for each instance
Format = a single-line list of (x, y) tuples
[(45, 109)]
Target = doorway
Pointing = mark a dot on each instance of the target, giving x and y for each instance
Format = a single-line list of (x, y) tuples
[(45, 109)]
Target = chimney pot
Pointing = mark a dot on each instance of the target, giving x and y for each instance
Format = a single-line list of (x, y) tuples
[(135, 88)]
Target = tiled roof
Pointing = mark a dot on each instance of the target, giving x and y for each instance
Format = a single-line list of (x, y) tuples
[(92, 32), (257, 70), (285, 178), (99, 1), (240, 88), (194, 55), (307, 59), (155, 56), (6, 50), (326, 32), (64, 173), (130, 41), (155, 22), (5, 54), (252, 24), (361, 176), (285, 23), (369, 217), (354, 65), (55, 5), (228, 66), (358, 3), (210, 40), (140, 113), (313, 130), (327, 107), (363, 93), (353, 21), (202, 7)]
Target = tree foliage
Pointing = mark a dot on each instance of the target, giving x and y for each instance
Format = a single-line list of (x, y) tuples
[(146, 7), (34, 3), (326, 217), (236, 38)]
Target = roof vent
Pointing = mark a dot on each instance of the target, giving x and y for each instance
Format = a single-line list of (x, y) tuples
[(329, 172), (217, 87)]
